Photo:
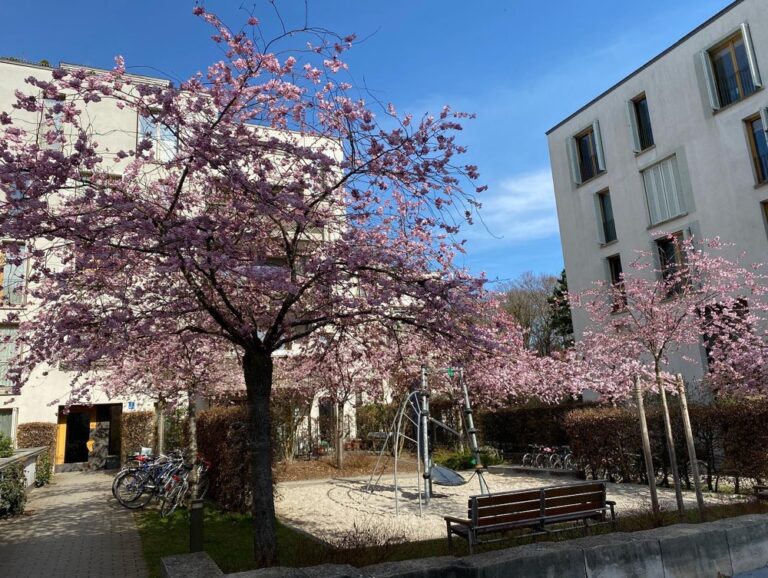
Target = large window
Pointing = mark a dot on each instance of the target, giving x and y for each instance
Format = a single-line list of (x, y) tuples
[(164, 141), (757, 128), (731, 69), (640, 120), (586, 154), (607, 224), (6, 422), (13, 267), (7, 350), (664, 191)]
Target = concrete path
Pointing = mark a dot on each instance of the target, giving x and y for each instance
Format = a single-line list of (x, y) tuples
[(72, 527)]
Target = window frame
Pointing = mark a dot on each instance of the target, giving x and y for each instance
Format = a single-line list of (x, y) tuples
[(710, 76), (759, 170), (597, 156), (167, 153), (5, 388), (603, 222), (635, 124), (23, 267), (616, 280), (677, 238), (681, 198)]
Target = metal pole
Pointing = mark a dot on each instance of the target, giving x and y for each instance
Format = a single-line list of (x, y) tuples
[(646, 446), (196, 526), (691, 447), (424, 434), (472, 433), (671, 448)]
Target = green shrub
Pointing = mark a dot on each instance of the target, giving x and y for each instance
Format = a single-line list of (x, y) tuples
[(464, 460), (13, 494), (6, 446), (44, 471)]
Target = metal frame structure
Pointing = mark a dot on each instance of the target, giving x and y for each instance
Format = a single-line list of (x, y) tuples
[(414, 410)]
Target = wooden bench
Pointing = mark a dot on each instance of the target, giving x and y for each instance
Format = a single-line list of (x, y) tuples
[(536, 509)]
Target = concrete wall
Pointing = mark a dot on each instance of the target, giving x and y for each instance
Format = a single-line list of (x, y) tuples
[(722, 548), (724, 200)]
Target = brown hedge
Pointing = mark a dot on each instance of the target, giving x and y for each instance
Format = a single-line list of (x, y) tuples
[(222, 439), (137, 430), (36, 434)]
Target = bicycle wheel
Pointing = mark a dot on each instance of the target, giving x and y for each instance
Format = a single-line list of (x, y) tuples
[(569, 463), (130, 490), (527, 460), (541, 460), (173, 499), (556, 462)]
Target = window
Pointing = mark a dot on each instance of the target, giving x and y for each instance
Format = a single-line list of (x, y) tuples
[(663, 191), (6, 423), (615, 271), (7, 350), (757, 128), (164, 142), (585, 150), (731, 69), (608, 227), (640, 121), (13, 266), (671, 260), (49, 134)]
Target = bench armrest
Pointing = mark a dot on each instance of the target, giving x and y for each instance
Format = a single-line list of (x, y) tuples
[(461, 521), (610, 502)]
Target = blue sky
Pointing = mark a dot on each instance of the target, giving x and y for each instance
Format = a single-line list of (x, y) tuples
[(521, 66)]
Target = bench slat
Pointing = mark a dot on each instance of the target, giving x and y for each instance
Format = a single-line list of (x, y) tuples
[(578, 509), (510, 508), (508, 497), (574, 489), (576, 499), (533, 515)]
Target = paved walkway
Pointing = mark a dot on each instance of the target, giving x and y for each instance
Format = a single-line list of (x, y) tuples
[(72, 528)]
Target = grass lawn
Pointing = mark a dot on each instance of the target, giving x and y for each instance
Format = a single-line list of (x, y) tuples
[(228, 539)]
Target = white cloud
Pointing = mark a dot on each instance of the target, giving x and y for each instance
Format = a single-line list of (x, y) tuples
[(518, 208)]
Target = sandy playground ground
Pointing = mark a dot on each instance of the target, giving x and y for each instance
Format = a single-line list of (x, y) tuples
[(336, 510)]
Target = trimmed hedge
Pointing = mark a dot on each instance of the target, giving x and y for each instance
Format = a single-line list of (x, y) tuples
[(137, 430), (222, 439), (513, 429), (36, 434), (730, 435)]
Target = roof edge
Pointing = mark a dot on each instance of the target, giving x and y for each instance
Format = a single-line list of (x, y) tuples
[(637, 71)]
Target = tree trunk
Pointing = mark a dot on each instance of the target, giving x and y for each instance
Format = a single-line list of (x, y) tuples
[(192, 443), (257, 370), (160, 421), (670, 443), (647, 455), (340, 435), (691, 445)]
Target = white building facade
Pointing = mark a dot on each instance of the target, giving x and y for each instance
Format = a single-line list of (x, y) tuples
[(679, 146)]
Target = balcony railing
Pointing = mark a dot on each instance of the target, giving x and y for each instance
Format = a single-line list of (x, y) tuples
[(733, 87)]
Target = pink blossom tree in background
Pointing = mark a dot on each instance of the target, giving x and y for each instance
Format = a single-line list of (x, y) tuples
[(654, 312), (221, 221)]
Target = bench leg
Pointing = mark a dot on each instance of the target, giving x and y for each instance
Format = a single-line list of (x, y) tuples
[(471, 538), (586, 526), (450, 537)]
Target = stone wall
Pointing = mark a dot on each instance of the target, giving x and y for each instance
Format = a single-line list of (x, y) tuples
[(722, 548)]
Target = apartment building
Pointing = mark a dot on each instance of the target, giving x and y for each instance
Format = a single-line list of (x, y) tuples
[(679, 146)]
